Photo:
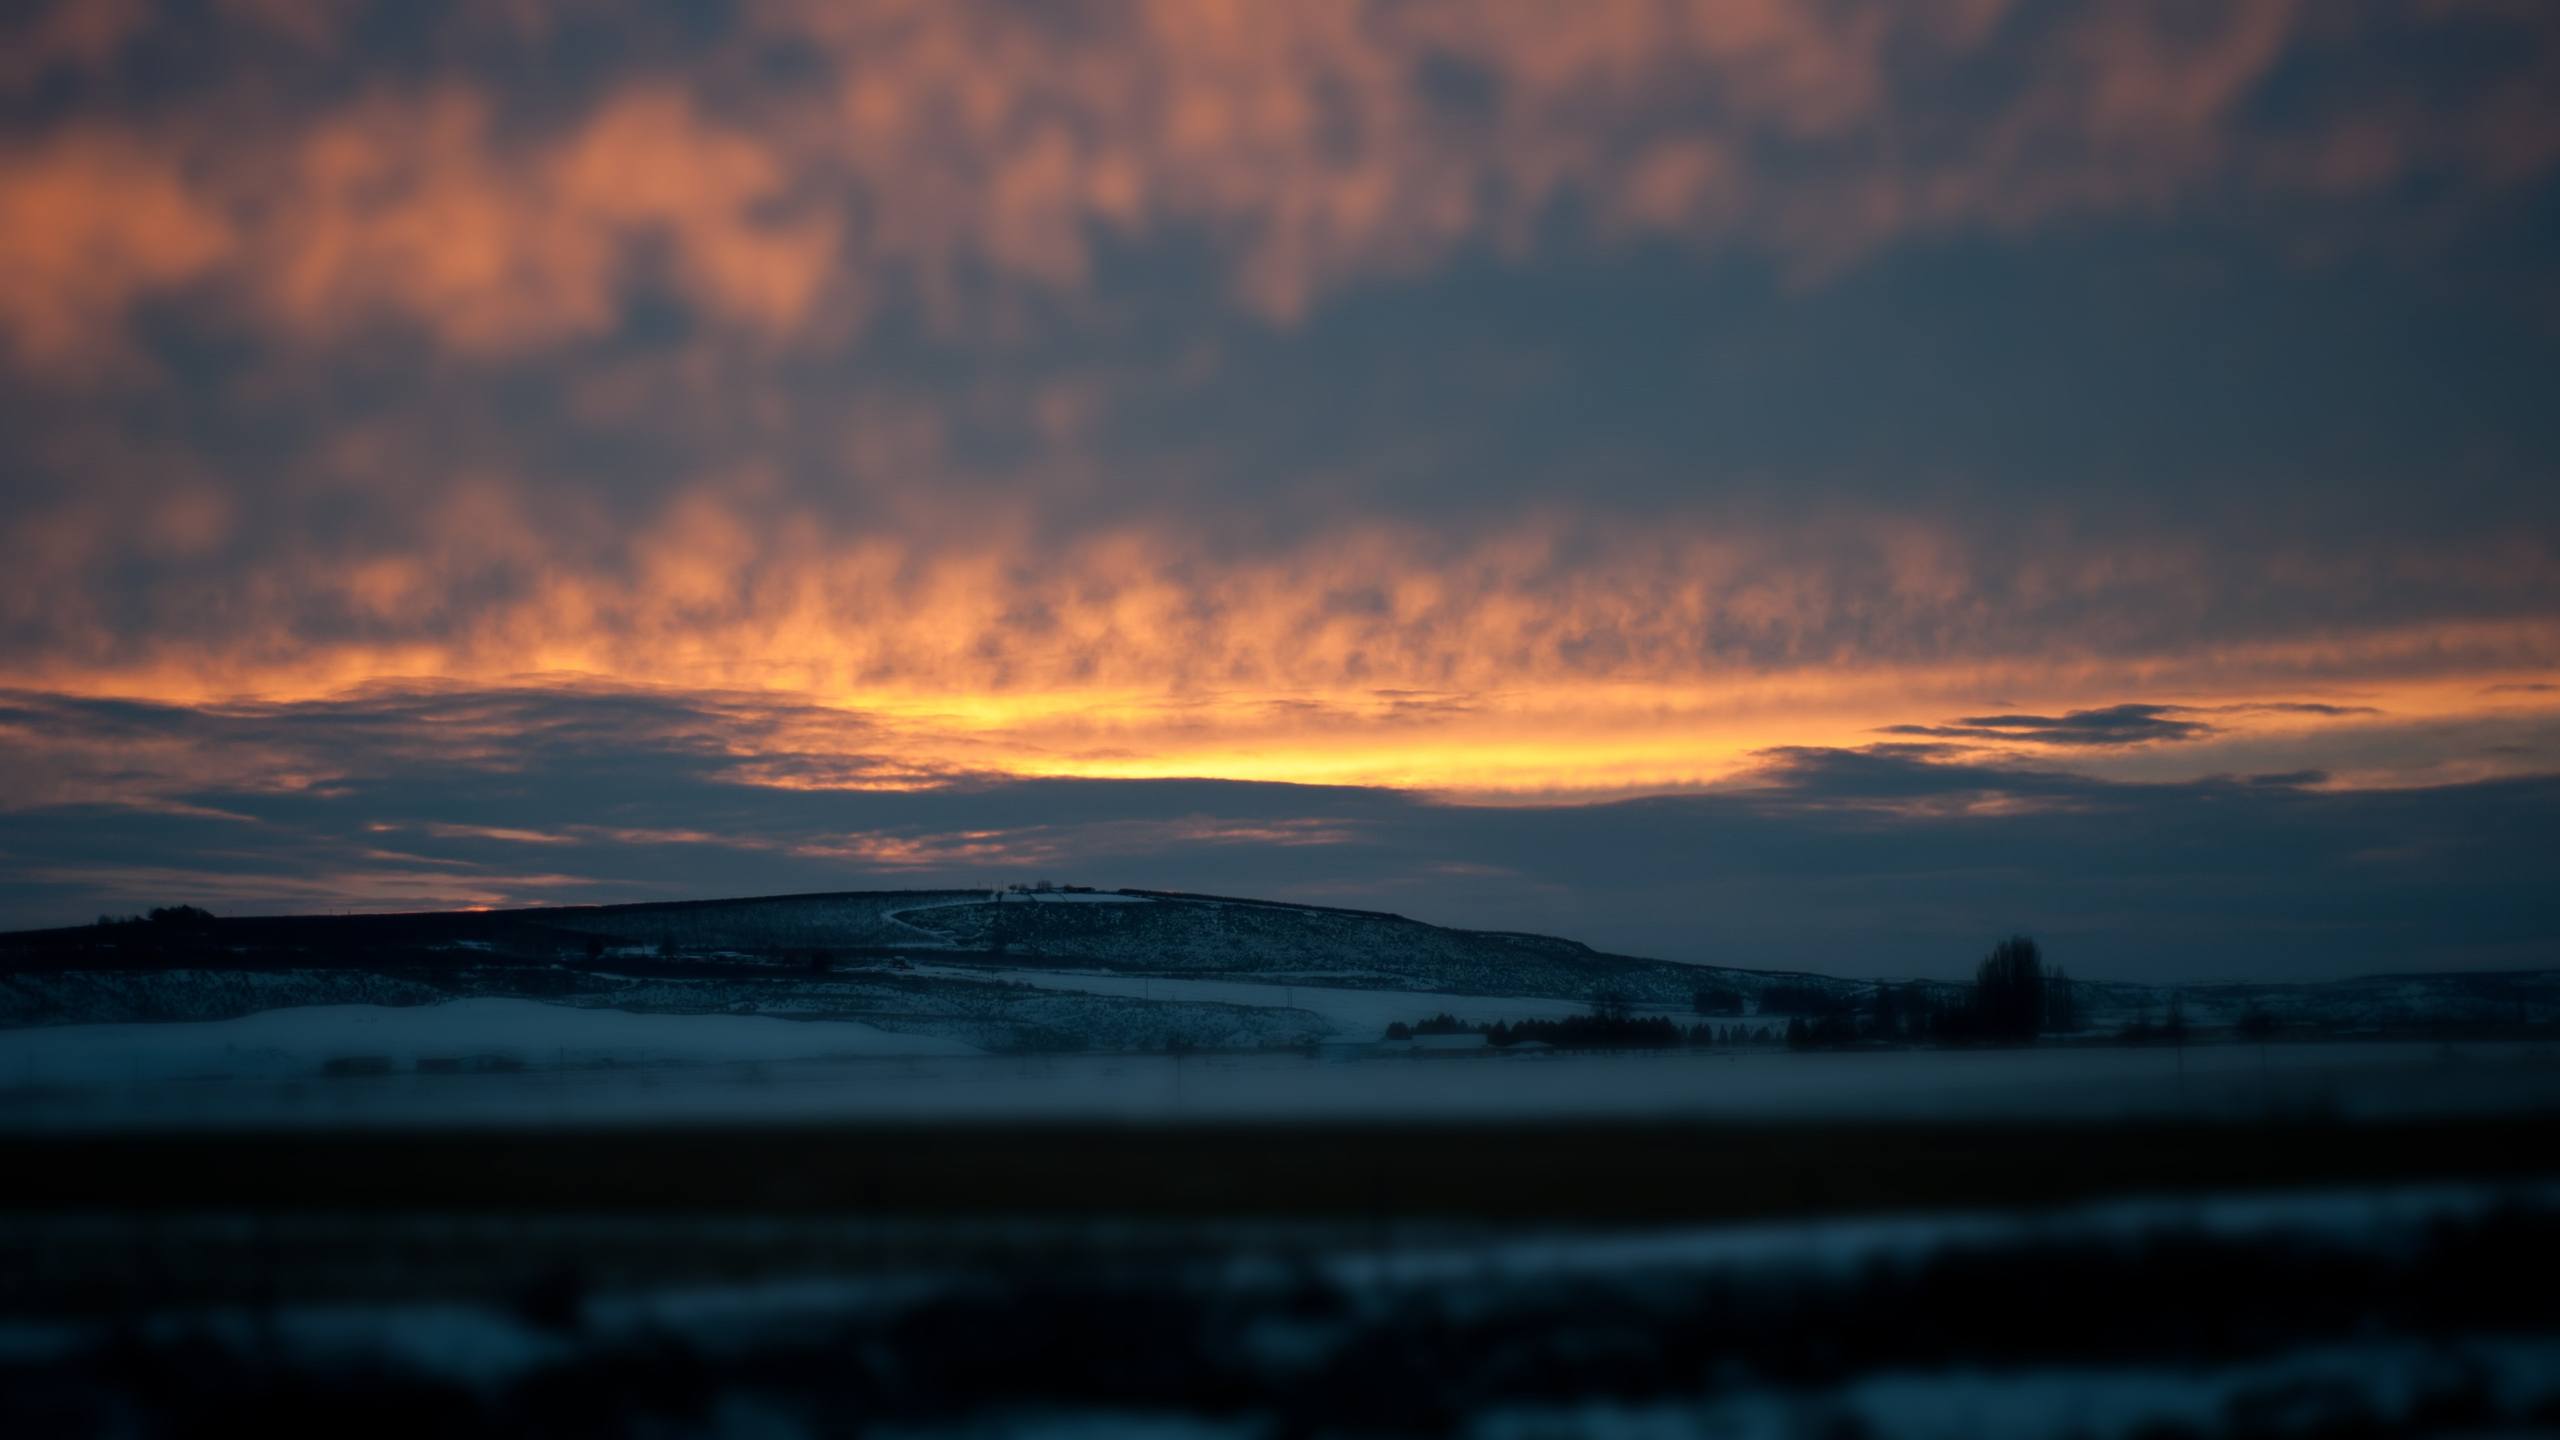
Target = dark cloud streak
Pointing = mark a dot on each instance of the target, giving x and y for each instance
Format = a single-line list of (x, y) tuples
[(2126, 724), (1891, 859)]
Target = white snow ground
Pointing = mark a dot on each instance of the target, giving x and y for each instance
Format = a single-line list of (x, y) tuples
[(475, 1034), (486, 1346), (2093, 1402), (582, 1066), (1354, 1014)]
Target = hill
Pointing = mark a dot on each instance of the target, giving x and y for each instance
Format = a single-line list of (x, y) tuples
[(1043, 970), (1129, 932)]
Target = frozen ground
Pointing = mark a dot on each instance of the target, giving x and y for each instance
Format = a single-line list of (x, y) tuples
[(1353, 1014), (1056, 897), (513, 1062), (460, 1035), (1757, 1330), (2361, 1389), (458, 1341)]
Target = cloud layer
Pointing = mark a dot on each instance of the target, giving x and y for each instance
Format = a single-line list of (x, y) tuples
[(1439, 402), (1878, 860), (807, 165)]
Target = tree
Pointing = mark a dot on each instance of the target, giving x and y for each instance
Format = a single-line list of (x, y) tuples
[(1590, 1032), (1717, 1000), (2008, 991), (1887, 1023), (2061, 1007), (1789, 998)]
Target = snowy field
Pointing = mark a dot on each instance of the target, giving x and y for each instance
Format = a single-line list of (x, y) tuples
[(1040, 897), (523, 1062), (479, 1035), (1294, 1330), (1353, 1014)]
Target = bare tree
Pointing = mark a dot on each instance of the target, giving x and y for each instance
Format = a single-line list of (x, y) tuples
[(2009, 991)]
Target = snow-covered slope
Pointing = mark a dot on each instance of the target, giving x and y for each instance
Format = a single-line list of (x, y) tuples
[(1297, 944), (1111, 970)]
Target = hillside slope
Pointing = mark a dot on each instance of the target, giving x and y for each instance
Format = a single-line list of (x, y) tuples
[(1042, 971), (1156, 932)]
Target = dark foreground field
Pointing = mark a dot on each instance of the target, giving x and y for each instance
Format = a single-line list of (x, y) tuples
[(1582, 1171), (2239, 1278)]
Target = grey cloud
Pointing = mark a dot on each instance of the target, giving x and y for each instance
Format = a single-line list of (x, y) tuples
[(2128, 724), (1893, 859), (2294, 707)]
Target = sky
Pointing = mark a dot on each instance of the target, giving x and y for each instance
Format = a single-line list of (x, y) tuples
[(1819, 484)]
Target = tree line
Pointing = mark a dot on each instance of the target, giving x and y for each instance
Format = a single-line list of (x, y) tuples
[(2014, 998), (1605, 1028)]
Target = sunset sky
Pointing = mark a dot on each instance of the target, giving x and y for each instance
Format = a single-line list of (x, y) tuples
[(1796, 484)]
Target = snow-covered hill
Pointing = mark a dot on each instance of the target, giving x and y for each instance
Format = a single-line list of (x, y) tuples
[(1052, 971)]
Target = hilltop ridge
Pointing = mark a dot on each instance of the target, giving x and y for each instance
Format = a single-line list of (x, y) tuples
[(1070, 968)]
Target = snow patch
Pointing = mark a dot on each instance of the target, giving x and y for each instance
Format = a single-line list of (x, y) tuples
[(477, 1034)]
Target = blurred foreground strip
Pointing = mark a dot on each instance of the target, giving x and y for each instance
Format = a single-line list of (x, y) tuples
[(2373, 1310)]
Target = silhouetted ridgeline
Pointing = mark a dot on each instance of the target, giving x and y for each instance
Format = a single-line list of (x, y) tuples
[(890, 957), (871, 935)]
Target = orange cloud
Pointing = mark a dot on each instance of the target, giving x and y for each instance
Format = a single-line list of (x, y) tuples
[(92, 223), (414, 209), (967, 165), (948, 156), (1537, 657)]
